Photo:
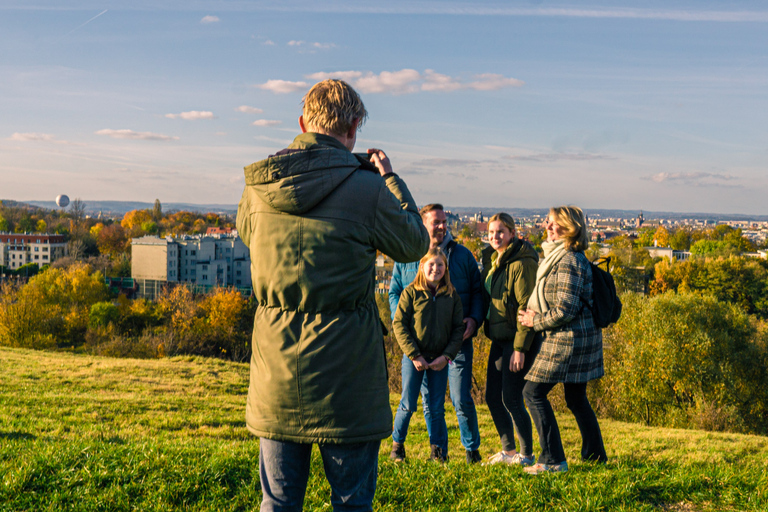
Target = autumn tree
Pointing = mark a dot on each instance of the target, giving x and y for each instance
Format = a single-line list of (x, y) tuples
[(686, 360)]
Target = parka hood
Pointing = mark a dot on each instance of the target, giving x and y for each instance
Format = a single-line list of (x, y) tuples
[(298, 178)]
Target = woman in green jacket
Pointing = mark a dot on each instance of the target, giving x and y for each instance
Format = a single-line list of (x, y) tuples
[(428, 325), (509, 282)]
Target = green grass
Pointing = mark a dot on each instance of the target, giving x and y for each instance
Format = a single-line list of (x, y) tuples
[(89, 433)]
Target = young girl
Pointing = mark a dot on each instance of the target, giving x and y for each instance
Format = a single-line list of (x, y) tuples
[(428, 326)]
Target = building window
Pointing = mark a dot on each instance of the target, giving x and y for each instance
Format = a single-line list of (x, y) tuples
[(37, 249), (205, 278), (37, 257), (237, 273), (205, 267), (45, 249), (193, 252)]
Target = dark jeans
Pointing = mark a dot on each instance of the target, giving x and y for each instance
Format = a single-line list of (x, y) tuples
[(460, 384), (504, 396), (351, 469), (592, 447)]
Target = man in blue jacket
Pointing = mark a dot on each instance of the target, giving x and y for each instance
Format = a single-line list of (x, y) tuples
[(466, 279)]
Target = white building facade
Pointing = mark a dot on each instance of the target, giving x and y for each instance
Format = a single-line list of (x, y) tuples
[(202, 261)]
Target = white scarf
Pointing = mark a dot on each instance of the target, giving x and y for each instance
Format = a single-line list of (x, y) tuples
[(553, 253)]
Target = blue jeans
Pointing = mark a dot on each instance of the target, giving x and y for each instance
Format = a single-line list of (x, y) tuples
[(460, 381), (351, 469), (412, 382)]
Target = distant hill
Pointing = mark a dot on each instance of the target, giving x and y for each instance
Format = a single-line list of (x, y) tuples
[(122, 207), (625, 214)]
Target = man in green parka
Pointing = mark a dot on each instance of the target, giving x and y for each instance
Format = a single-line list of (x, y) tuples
[(313, 216)]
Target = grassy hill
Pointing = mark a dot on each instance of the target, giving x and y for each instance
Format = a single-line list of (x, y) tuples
[(89, 434)]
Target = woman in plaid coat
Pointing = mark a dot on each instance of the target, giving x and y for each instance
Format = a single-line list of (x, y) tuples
[(571, 345)]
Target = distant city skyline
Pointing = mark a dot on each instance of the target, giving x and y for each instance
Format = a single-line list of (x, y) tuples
[(659, 106)]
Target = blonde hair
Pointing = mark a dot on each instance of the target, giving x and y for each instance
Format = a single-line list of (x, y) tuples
[(505, 219), (332, 106), (573, 224), (420, 283)]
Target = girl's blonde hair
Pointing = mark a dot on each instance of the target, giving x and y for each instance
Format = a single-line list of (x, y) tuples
[(573, 223), (420, 283)]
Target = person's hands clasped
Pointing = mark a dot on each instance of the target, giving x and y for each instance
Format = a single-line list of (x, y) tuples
[(420, 363), (526, 317), (438, 364), (381, 161)]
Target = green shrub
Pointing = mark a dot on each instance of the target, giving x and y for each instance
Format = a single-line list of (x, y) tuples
[(686, 360)]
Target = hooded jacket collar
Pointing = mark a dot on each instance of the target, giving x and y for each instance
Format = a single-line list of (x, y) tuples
[(298, 178)]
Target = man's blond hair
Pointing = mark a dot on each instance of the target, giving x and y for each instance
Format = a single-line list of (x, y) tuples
[(332, 106)]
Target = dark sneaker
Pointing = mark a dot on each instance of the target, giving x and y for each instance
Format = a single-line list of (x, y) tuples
[(473, 456), (398, 452), (436, 453)]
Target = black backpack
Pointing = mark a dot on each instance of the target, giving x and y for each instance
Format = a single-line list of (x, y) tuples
[(606, 306)]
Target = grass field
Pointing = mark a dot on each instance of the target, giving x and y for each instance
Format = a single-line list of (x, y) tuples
[(88, 433)]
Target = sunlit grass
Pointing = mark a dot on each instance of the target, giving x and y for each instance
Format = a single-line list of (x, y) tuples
[(88, 433)]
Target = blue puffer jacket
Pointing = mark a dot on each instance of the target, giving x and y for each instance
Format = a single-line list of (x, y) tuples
[(465, 277)]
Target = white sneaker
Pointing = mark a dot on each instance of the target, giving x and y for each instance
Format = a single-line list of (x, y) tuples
[(518, 459)]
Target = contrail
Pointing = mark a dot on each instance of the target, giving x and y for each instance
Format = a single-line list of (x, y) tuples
[(87, 22)]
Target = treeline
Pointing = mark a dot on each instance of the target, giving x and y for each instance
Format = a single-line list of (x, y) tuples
[(71, 308)]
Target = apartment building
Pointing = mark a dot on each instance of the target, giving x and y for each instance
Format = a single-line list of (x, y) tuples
[(204, 261), (17, 249)]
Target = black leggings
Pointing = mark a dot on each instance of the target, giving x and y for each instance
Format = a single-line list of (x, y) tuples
[(504, 396), (592, 447)]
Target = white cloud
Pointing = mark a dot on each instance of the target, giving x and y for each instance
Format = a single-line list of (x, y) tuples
[(245, 109), (32, 137), (407, 81), (269, 42), (266, 122), (210, 19), (192, 115), (683, 176), (493, 82), (324, 46), (132, 135), (283, 86), (295, 43)]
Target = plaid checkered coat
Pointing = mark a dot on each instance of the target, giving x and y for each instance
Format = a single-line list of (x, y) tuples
[(572, 346)]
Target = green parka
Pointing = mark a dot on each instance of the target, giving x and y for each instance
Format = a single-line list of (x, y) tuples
[(313, 217), (512, 284), (429, 325)]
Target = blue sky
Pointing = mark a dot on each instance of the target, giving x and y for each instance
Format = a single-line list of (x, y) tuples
[(626, 104)]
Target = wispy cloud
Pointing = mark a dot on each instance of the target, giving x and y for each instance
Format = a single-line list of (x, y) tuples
[(446, 162), (690, 178), (32, 137), (296, 43), (283, 86), (84, 24), (266, 122), (132, 135), (245, 109), (210, 19), (192, 115), (409, 81), (555, 157), (504, 9), (269, 42)]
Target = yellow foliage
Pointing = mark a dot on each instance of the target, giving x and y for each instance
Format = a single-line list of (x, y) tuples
[(135, 218)]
